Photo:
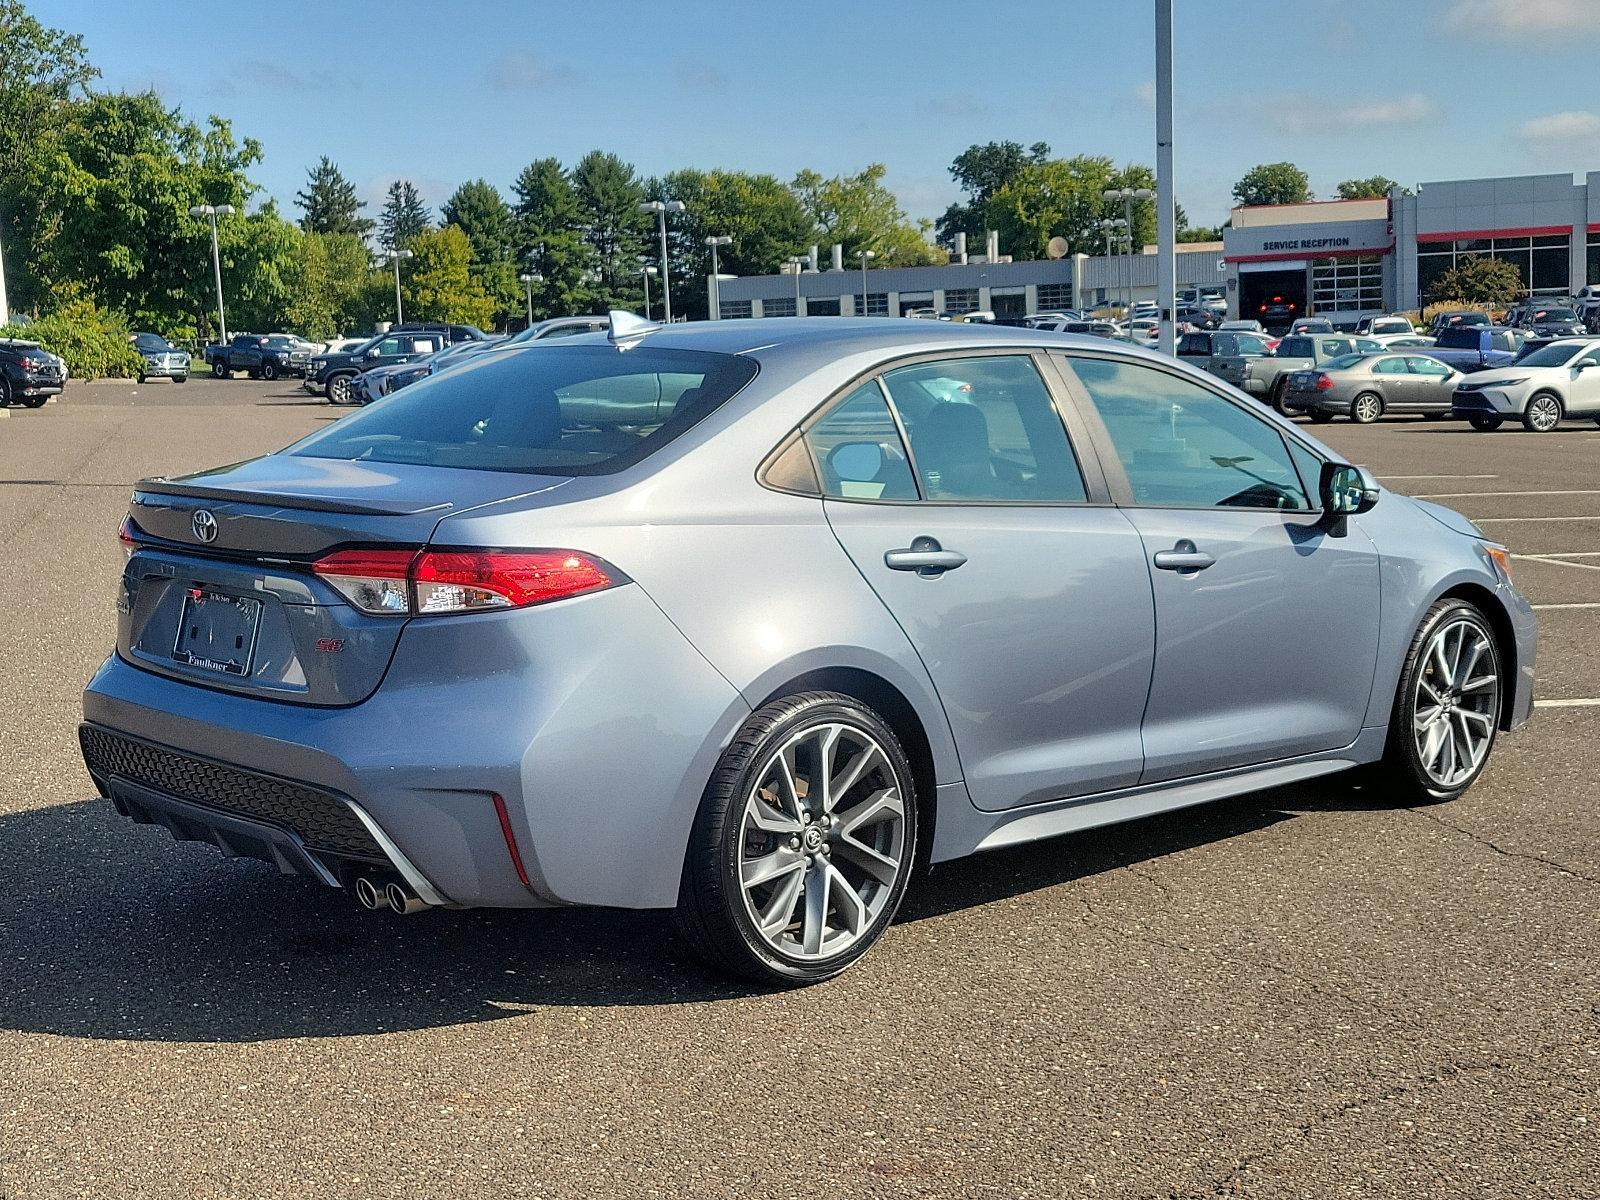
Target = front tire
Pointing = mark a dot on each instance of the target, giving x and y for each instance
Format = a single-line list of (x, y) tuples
[(1543, 414), (1278, 391), (1484, 423), (269, 371), (219, 370), (803, 844), (338, 389), (1366, 408), (180, 379), (1447, 710)]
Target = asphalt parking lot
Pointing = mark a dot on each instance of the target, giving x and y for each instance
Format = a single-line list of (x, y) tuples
[(1295, 994)]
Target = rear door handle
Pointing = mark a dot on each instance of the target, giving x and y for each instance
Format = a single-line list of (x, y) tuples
[(924, 556), (1185, 556)]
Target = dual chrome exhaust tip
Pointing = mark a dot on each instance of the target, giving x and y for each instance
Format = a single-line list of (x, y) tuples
[(375, 893)]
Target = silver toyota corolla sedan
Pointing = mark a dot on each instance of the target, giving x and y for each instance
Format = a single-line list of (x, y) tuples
[(1366, 386), (751, 619)]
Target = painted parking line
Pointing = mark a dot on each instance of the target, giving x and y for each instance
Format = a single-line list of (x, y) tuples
[(1540, 607), (1470, 495), (1584, 703), (1559, 562), (1438, 477), (1524, 520), (1563, 554)]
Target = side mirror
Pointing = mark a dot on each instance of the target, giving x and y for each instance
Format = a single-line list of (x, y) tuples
[(373, 353), (1345, 491), (855, 462)]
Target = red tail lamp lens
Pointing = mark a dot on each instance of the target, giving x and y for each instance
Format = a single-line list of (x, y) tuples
[(405, 582)]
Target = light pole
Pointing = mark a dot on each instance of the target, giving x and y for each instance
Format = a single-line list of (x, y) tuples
[(864, 255), (5, 311), (796, 265), (528, 279), (661, 209), (1109, 227), (214, 211), (1166, 208), (1128, 195), (716, 284), (647, 271), (395, 256)]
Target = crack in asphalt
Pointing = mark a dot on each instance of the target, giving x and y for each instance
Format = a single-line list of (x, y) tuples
[(1488, 843)]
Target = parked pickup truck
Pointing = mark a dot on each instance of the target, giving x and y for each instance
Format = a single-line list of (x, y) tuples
[(265, 356), (1267, 378), (1226, 353), (1470, 348)]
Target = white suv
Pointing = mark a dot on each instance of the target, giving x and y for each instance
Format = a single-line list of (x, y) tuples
[(1561, 379)]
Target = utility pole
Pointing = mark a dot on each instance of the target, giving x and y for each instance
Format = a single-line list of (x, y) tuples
[(213, 211), (1166, 217)]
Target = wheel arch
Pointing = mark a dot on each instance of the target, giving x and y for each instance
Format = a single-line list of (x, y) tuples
[(889, 702), (1489, 604)]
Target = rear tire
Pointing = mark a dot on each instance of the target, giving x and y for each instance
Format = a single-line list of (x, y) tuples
[(180, 379), (1543, 414), (804, 842), (1454, 646), (5, 392), (1277, 396), (1366, 408), (141, 378), (219, 370), (34, 401), (1484, 423)]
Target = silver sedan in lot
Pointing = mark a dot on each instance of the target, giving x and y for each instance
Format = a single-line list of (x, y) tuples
[(751, 619), (1554, 381), (1364, 387)]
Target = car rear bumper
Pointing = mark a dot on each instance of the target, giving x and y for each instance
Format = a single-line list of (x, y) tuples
[(593, 719), (1314, 402)]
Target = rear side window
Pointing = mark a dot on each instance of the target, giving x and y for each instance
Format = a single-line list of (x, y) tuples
[(547, 410), (1294, 347), (858, 450), (985, 428)]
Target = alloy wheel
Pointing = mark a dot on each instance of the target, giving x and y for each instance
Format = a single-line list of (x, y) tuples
[(822, 841), (1456, 703), (339, 389), (1544, 413), (1367, 408)]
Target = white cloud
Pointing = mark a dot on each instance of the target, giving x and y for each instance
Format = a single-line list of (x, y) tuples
[(1561, 127), (1308, 114), (520, 72), (1495, 19)]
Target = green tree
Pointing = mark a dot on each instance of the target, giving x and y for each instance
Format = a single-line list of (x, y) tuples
[(1273, 183), (1062, 198), (261, 252), (1361, 189), (547, 237), (1200, 233), (981, 171), (609, 195), (43, 72), (437, 282), (329, 286), (330, 204), (480, 212), (404, 216), (764, 218), (860, 213), (1479, 281), (114, 190)]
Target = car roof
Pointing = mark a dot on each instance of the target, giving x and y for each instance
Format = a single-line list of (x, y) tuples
[(826, 338)]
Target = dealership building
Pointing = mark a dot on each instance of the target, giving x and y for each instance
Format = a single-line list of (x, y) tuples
[(1342, 259)]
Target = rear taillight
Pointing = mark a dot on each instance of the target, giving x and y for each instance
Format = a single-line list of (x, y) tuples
[(431, 582), (125, 536), (1323, 383)]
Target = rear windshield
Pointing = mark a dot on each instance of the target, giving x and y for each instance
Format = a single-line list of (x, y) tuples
[(1459, 338), (543, 410)]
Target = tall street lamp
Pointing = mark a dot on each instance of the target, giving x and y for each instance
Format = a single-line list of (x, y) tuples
[(646, 270), (716, 283), (796, 266), (395, 256), (661, 209), (1109, 227), (864, 255), (528, 279), (213, 211), (5, 311), (1128, 195)]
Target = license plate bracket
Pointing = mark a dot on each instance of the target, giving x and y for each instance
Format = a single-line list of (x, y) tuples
[(217, 632)]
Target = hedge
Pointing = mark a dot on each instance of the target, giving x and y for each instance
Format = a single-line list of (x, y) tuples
[(94, 341)]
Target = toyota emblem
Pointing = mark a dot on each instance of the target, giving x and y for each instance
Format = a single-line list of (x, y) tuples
[(204, 526)]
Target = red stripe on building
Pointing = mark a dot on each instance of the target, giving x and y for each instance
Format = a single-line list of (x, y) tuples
[(1299, 255), (1462, 235)]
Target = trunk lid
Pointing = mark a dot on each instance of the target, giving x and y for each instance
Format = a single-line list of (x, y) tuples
[(219, 591)]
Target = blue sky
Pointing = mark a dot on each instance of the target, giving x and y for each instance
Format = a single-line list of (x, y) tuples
[(1412, 89)]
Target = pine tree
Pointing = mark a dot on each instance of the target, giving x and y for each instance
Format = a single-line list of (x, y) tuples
[(609, 194), (547, 238), (404, 215), (330, 204)]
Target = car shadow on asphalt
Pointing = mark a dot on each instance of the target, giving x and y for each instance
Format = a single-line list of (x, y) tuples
[(109, 931)]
